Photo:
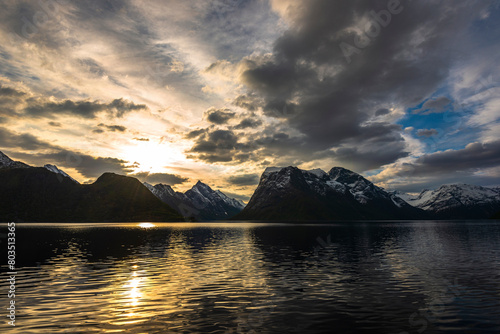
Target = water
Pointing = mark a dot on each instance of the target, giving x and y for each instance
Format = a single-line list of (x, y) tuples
[(415, 277)]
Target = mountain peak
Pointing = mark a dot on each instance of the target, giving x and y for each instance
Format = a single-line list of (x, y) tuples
[(199, 183), (58, 171), (6, 162), (202, 187)]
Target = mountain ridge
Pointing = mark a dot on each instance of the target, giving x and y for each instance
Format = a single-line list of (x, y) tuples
[(295, 194), (39, 194), (284, 193), (198, 203), (457, 201)]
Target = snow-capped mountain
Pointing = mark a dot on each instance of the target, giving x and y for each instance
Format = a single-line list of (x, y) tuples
[(457, 201), (58, 171), (293, 194), (200, 202), (6, 162), (363, 190)]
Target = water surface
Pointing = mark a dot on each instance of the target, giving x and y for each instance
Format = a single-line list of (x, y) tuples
[(356, 277)]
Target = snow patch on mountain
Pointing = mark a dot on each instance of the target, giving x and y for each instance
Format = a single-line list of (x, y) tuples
[(318, 172), (55, 170), (452, 196), (6, 162)]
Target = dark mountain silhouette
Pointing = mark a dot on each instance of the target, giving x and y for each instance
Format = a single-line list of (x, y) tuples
[(36, 194)]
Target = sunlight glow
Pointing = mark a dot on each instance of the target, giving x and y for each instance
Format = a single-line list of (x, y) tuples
[(146, 225), (151, 156)]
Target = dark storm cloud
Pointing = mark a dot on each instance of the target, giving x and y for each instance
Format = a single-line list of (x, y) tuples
[(154, 178), (49, 153), (427, 132), (219, 116), (330, 96), (244, 180), (215, 146), (474, 156), (434, 106)]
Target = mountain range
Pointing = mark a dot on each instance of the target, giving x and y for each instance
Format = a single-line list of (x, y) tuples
[(48, 194), (456, 201), (199, 203), (290, 193)]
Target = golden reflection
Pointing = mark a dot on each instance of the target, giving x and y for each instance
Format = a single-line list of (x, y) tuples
[(134, 291), (178, 282), (146, 225)]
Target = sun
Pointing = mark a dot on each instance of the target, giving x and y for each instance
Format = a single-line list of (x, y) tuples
[(151, 156)]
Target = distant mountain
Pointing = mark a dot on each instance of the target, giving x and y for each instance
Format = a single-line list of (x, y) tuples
[(6, 162), (457, 201), (36, 194), (56, 170), (199, 203), (293, 194)]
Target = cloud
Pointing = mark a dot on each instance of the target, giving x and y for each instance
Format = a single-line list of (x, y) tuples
[(430, 170), (427, 133), (434, 106), (216, 146), (55, 124), (111, 128), (382, 111), (43, 152), (248, 102), (154, 178), (85, 109), (24, 141), (308, 82), (87, 165), (244, 179), (219, 116), (473, 156), (248, 123), (10, 92), (24, 104)]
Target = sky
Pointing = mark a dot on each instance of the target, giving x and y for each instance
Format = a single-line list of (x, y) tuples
[(404, 92)]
